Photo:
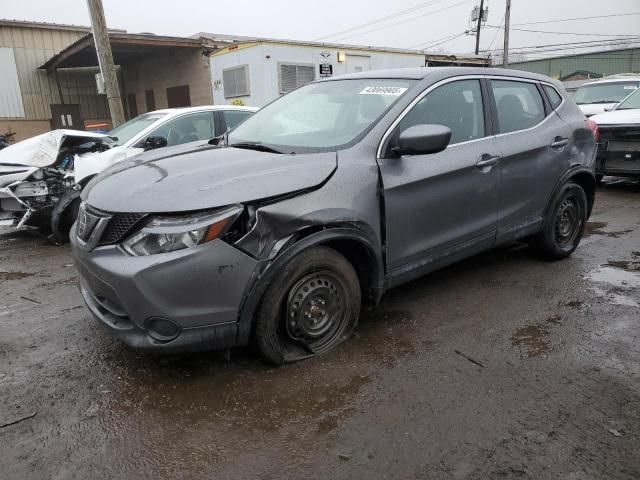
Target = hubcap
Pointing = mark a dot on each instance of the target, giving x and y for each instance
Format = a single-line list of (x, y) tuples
[(315, 310), (568, 223)]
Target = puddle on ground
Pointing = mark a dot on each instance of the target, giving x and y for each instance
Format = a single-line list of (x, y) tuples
[(623, 280), (615, 276), (532, 338), (15, 275), (596, 228)]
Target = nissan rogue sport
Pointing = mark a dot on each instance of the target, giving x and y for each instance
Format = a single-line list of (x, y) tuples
[(329, 196)]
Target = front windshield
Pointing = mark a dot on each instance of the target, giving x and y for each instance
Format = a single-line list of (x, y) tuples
[(321, 116), (128, 130), (604, 92), (632, 101)]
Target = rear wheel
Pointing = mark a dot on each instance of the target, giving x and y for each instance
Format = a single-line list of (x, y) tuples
[(310, 308), (564, 224)]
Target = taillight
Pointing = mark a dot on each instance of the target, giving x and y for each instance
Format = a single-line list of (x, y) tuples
[(593, 126)]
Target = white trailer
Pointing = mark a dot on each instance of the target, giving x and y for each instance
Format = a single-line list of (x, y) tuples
[(256, 72)]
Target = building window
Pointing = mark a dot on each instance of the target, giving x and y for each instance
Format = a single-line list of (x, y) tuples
[(151, 100), (235, 81), (294, 76), (178, 97)]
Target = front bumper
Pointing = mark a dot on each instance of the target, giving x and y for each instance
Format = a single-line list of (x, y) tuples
[(619, 151), (200, 290)]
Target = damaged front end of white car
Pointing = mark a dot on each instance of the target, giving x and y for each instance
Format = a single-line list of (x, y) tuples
[(38, 189)]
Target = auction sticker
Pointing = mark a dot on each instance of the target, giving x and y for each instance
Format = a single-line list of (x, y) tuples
[(395, 91)]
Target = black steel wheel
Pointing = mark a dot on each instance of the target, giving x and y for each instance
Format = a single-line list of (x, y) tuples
[(568, 222), (311, 307), (564, 224)]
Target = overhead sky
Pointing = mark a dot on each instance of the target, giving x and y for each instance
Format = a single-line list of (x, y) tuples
[(426, 23)]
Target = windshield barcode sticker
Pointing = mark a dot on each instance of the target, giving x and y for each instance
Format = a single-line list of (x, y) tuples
[(395, 91)]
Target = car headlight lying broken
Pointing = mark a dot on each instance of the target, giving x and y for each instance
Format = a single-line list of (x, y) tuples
[(164, 234)]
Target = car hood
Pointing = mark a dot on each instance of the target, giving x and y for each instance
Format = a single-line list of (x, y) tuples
[(42, 150), (197, 178), (590, 109), (618, 117)]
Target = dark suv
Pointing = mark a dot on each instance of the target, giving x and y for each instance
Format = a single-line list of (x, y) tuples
[(333, 193)]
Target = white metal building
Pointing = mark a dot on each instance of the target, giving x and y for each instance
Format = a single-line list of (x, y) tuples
[(257, 72)]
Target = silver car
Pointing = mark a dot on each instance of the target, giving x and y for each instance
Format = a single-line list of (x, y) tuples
[(328, 197)]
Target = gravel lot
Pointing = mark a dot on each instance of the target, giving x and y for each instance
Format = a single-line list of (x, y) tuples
[(502, 366)]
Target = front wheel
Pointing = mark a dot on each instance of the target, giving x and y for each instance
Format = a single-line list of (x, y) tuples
[(310, 308), (564, 224)]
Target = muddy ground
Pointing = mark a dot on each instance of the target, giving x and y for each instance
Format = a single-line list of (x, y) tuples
[(500, 367)]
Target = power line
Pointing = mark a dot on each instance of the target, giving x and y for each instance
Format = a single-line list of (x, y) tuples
[(405, 21), (578, 18), (496, 35), (382, 19), (428, 44), (587, 43), (569, 33)]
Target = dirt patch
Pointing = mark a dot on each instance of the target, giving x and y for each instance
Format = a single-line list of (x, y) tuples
[(15, 275), (596, 228), (554, 319), (532, 339), (627, 265)]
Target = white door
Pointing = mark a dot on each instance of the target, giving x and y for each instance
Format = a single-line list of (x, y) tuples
[(358, 63)]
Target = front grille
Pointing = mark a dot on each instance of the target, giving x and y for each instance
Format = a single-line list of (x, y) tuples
[(119, 225)]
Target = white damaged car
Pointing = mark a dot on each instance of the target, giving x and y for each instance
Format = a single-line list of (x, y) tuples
[(41, 178)]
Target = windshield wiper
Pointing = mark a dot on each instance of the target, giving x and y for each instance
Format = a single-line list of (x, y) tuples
[(260, 147)]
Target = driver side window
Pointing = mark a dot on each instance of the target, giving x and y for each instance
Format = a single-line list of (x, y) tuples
[(187, 128), (457, 105)]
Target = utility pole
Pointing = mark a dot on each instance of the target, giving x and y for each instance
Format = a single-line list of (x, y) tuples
[(507, 17), (480, 17), (105, 60)]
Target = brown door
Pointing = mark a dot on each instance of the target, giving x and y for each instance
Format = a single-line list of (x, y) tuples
[(178, 96), (66, 116), (133, 106), (151, 100)]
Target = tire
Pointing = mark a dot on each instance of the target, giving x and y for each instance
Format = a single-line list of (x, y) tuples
[(68, 217), (564, 224), (311, 307)]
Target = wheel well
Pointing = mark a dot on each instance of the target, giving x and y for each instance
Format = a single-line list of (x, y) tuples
[(364, 263), (588, 184)]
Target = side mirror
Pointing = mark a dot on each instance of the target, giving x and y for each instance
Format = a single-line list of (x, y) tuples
[(422, 140), (152, 143)]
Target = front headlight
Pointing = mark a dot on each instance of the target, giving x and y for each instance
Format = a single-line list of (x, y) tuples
[(164, 234)]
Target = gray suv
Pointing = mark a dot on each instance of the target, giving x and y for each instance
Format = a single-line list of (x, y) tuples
[(327, 197)]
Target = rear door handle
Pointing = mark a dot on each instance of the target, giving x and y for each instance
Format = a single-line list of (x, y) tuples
[(559, 142), (487, 161)]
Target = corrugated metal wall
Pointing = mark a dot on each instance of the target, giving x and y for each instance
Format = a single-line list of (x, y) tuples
[(32, 47), (10, 98), (605, 63)]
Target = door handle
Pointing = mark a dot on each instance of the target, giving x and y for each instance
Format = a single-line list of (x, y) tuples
[(559, 142), (487, 161)]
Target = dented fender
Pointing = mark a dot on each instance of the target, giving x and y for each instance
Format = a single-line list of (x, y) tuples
[(288, 248)]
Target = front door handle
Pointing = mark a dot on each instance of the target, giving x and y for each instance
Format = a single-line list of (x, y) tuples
[(487, 161), (559, 142)]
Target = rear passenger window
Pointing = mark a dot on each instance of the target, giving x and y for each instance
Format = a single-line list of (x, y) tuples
[(457, 105), (554, 97), (520, 105)]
